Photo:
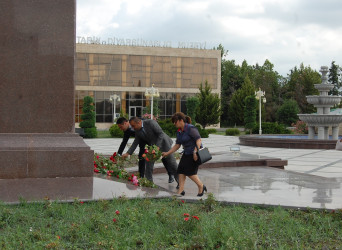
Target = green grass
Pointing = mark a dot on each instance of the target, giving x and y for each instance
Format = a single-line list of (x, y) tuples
[(160, 224), (103, 134)]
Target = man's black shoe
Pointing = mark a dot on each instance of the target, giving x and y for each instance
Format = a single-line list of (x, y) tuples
[(171, 178)]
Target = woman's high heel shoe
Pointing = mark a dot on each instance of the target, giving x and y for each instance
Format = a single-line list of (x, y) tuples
[(204, 189), (181, 194)]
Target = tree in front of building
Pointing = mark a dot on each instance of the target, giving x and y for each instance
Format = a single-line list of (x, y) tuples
[(250, 113), (88, 118), (191, 106), (208, 111)]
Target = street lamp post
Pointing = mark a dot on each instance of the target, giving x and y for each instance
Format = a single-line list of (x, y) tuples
[(258, 95), (152, 92), (113, 98)]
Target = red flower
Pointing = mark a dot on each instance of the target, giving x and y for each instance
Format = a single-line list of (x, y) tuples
[(114, 154), (117, 176), (94, 162), (114, 220), (146, 151), (58, 237), (95, 166), (117, 212), (186, 214), (96, 170), (186, 218), (182, 201), (195, 217), (81, 202), (97, 157), (147, 159)]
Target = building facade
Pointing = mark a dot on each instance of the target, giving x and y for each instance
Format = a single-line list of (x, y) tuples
[(126, 71)]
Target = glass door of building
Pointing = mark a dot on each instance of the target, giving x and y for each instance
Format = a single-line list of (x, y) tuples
[(135, 111)]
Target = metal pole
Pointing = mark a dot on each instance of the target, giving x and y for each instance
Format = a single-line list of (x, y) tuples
[(152, 107), (260, 130), (114, 109)]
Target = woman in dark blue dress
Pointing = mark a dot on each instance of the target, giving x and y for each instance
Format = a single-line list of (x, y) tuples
[(187, 136)]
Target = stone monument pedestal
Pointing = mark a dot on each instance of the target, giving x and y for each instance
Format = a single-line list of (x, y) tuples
[(37, 134)]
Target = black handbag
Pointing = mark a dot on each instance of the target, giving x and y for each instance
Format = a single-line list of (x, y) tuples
[(203, 155)]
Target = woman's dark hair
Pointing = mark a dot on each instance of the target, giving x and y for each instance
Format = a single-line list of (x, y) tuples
[(178, 116), (188, 119)]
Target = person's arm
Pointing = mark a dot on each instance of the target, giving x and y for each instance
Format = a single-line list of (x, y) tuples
[(158, 131), (172, 150), (132, 148), (124, 142), (198, 143)]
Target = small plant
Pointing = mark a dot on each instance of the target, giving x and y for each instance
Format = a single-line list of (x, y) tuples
[(300, 127), (210, 203), (115, 131), (211, 130), (232, 131)]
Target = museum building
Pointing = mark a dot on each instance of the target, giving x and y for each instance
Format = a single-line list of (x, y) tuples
[(117, 77)]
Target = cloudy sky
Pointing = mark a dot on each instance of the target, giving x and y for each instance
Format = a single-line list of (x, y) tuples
[(286, 32)]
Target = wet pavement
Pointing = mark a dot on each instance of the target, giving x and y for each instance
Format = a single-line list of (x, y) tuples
[(312, 178)]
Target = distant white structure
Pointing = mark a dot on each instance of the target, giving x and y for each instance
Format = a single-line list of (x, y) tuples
[(323, 119)]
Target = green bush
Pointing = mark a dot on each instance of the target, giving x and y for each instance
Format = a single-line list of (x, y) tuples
[(211, 130), (232, 131), (90, 132), (203, 132), (115, 131), (88, 118), (271, 128), (288, 112), (168, 127)]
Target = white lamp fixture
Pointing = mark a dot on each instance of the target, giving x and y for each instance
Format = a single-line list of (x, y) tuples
[(152, 92), (114, 98), (258, 95)]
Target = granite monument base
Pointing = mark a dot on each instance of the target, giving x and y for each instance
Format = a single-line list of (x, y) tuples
[(46, 155)]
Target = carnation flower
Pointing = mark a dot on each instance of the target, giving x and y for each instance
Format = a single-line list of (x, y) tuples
[(152, 153)]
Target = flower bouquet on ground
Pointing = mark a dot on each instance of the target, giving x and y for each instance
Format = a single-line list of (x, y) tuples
[(114, 167), (152, 153)]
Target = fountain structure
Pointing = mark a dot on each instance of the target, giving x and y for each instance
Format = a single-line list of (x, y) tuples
[(323, 119)]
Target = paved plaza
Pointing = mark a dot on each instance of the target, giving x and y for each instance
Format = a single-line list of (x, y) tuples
[(312, 177)]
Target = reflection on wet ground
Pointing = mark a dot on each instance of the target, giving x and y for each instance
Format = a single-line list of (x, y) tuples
[(312, 179), (265, 186)]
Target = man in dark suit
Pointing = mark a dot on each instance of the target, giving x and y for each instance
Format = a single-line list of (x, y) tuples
[(152, 133), (124, 125)]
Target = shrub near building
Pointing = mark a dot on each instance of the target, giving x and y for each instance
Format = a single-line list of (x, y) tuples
[(88, 118)]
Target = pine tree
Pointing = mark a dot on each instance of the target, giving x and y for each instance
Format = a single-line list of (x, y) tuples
[(250, 112), (88, 118), (208, 111)]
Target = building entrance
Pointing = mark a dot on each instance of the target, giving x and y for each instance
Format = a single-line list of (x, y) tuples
[(135, 111)]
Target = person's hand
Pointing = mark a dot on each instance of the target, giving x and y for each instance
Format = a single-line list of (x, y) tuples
[(164, 154), (195, 156), (124, 156)]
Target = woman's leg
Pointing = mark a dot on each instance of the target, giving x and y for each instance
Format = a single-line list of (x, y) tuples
[(198, 182), (182, 178)]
